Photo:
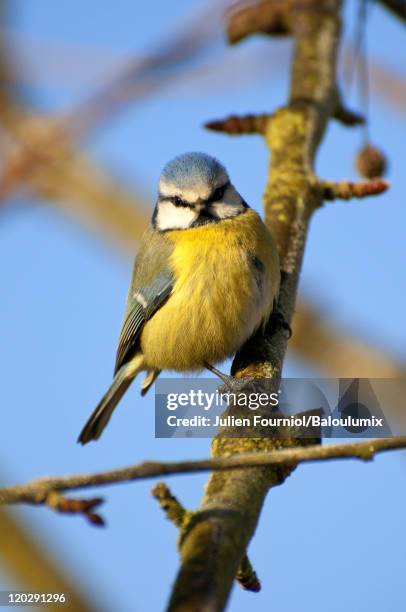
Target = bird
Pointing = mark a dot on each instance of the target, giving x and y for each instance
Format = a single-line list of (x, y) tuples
[(205, 279)]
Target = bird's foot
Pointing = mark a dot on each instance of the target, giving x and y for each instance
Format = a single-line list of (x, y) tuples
[(231, 383), (279, 319)]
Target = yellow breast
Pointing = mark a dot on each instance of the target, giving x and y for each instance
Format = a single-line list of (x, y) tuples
[(226, 279)]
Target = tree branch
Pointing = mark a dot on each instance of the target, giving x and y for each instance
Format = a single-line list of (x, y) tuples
[(38, 491), (215, 543)]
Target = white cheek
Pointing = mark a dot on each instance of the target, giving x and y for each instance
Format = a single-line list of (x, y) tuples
[(230, 206), (174, 217), (222, 210)]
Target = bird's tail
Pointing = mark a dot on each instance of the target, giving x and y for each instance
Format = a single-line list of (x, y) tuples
[(103, 411)]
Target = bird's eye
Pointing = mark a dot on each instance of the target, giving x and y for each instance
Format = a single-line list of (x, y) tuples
[(178, 201), (219, 193)]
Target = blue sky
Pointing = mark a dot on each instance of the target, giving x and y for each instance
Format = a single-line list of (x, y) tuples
[(332, 537)]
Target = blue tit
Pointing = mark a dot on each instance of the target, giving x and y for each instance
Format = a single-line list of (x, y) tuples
[(206, 278)]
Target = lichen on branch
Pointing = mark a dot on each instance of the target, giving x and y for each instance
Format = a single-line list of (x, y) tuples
[(221, 529)]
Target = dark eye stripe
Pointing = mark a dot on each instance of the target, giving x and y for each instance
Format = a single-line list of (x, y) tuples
[(219, 192), (176, 201)]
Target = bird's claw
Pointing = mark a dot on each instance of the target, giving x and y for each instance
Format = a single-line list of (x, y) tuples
[(231, 383), (236, 385)]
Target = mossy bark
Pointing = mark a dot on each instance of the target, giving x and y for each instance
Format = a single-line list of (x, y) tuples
[(216, 539)]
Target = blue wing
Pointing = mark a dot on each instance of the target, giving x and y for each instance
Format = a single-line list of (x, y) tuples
[(144, 303), (151, 286)]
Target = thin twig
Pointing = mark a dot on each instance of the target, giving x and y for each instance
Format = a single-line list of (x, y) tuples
[(396, 7), (180, 517), (261, 17), (37, 491), (247, 576), (58, 502), (172, 507), (345, 190), (345, 115), (236, 124)]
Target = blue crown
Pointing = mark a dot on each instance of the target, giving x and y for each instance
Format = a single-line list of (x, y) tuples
[(189, 168)]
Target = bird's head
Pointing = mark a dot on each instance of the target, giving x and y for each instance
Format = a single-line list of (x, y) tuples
[(194, 190)]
